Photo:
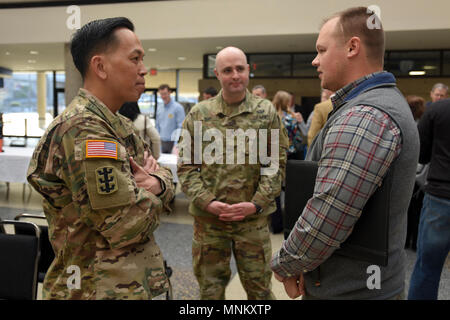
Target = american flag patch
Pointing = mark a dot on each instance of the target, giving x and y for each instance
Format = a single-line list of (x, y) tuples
[(101, 149)]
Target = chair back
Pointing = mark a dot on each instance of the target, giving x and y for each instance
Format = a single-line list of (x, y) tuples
[(19, 260)]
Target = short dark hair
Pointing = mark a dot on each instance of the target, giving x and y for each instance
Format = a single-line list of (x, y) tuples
[(164, 86), (353, 22), (130, 110), (95, 37), (211, 91)]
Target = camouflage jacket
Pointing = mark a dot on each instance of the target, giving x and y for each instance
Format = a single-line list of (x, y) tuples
[(100, 222), (213, 166)]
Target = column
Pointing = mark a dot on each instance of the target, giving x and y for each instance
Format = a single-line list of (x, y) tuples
[(73, 76), (41, 98)]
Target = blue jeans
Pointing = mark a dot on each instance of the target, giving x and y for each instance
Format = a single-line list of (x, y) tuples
[(433, 245)]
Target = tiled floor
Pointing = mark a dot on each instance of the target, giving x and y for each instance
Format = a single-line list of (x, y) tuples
[(174, 237)]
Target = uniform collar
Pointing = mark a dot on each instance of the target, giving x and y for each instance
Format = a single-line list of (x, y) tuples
[(219, 106), (100, 109)]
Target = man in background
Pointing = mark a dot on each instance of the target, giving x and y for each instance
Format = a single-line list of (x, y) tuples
[(433, 242), (259, 91), (231, 201), (169, 119), (209, 93), (320, 114), (438, 92)]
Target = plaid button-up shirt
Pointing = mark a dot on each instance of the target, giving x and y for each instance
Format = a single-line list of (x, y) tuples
[(358, 150)]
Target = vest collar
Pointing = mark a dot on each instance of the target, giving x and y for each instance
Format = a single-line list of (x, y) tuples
[(361, 85)]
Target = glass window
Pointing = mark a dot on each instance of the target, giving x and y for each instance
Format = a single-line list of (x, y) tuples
[(426, 63), (270, 65), (446, 63), (211, 64), (303, 66), (19, 93)]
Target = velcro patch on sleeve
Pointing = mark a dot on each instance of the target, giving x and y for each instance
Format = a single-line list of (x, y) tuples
[(101, 149), (106, 180)]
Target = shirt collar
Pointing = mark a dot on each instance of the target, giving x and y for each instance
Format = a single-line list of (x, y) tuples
[(353, 89)]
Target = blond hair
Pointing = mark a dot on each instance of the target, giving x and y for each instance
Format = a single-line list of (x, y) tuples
[(281, 101)]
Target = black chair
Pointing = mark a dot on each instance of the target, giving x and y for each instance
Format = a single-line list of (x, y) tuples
[(46, 249), (19, 260)]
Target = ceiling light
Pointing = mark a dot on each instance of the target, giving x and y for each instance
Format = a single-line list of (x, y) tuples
[(7, 53), (151, 49), (219, 48), (34, 52), (181, 58), (416, 73), (31, 61), (429, 67)]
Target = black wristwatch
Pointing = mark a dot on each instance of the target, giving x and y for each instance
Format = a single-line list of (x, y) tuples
[(258, 208)]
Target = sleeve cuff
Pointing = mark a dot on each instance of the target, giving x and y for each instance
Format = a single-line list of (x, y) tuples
[(203, 201)]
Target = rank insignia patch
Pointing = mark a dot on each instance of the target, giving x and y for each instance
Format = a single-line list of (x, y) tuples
[(101, 149), (106, 180)]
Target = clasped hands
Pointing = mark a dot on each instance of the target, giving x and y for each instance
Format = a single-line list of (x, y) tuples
[(294, 286), (142, 174), (231, 212)]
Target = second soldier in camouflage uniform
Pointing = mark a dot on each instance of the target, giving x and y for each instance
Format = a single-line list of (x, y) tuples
[(231, 202), (102, 207)]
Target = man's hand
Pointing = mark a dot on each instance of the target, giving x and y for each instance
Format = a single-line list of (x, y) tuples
[(142, 177), (238, 211), (150, 163), (294, 286), (216, 207), (298, 117)]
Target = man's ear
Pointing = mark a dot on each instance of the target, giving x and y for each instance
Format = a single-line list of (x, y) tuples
[(353, 47), (98, 66), (216, 73)]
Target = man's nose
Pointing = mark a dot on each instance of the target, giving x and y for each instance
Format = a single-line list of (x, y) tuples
[(315, 62), (142, 69)]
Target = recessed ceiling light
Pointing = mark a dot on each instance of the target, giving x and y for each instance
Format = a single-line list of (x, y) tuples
[(7, 53), (34, 52), (151, 49), (429, 67), (219, 48), (181, 58), (416, 73), (31, 61)]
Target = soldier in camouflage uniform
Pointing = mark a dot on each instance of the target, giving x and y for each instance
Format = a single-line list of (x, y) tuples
[(102, 192), (231, 202)]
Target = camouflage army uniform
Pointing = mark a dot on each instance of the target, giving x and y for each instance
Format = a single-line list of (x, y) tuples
[(99, 220), (249, 239)]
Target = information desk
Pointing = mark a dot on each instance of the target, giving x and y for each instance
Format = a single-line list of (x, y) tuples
[(14, 163)]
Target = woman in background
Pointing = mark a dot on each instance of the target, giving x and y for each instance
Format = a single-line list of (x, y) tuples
[(417, 105), (293, 122), (144, 126)]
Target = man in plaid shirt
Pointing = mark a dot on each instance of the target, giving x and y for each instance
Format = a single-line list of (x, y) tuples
[(369, 135)]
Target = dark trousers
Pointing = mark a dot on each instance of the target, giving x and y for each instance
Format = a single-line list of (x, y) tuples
[(277, 217), (415, 206)]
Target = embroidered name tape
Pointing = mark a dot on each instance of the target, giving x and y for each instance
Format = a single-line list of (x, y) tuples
[(101, 149)]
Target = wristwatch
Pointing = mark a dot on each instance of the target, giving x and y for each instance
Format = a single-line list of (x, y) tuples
[(258, 208)]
